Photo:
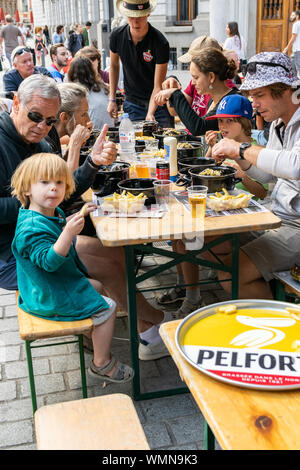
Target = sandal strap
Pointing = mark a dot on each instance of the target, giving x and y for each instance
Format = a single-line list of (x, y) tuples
[(105, 369), (122, 371)]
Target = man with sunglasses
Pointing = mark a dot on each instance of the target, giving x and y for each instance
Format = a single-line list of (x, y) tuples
[(23, 67), (272, 84), (22, 134)]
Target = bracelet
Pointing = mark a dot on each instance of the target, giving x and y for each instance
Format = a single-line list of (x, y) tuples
[(92, 164), (112, 99)]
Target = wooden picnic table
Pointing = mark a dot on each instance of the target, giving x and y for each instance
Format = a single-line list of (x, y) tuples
[(137, 235), (239, 418)]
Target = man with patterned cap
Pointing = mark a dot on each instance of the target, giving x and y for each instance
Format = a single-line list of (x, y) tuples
[(144, 53), (271, 82)]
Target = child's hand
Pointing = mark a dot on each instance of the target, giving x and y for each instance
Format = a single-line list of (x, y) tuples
[(211, 137), (240, 173), (74, 225)]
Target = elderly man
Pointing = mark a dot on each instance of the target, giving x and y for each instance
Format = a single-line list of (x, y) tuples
[(144, 54), (22, 133), (270, 81), (10, 35), (23, 67), (59, 56)]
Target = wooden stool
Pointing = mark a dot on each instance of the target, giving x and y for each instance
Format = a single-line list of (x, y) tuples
[(99, 423), (33, 328)]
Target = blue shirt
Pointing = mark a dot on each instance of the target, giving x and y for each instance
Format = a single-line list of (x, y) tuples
[(12, 79), (56, 74)]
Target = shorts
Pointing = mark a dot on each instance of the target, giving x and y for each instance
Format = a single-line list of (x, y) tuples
[(275, 250), (8, 274), (100, 317)]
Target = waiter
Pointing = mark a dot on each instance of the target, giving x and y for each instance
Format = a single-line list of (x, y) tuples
[(144, 54)]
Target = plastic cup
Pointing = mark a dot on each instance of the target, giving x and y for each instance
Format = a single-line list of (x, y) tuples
[(162, 191), (142, 169), (138, 129), (152, 145), (197, 200)]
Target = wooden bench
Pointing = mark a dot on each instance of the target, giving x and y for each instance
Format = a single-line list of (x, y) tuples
[(99, 423), (33, 328), (285, 284)]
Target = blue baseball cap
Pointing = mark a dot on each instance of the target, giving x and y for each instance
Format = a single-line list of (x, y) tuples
[(233, 106)]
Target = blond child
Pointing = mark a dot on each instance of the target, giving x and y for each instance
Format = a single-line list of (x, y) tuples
[(52, 281)]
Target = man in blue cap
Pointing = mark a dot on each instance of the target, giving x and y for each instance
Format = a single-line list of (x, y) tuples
[(271, 81)]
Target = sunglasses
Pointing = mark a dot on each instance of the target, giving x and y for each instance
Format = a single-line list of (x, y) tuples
[(252, 66), (22, 51), (37, 117)]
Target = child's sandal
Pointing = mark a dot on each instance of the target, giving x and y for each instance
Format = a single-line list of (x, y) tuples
[(122, 373)]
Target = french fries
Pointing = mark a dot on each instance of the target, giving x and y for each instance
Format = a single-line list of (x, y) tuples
[(124, 202), (227, 309), (226, 201), (83, 209)]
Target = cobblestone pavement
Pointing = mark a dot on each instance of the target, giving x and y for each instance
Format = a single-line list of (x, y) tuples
[(173, 422)]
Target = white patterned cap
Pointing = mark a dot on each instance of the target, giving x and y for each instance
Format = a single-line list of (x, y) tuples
[(267, 68)]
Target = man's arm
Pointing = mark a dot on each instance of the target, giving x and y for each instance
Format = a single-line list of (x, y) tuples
[(291, 42), (159, 77), (114, 70)]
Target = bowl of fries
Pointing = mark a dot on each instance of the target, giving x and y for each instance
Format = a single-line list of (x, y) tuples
[(124, 202), (137, 186), (221, 201)]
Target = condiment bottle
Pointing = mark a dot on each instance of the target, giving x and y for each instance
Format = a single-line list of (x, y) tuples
[(170, 145)]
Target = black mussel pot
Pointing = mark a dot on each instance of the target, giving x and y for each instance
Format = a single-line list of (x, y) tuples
[(137, 186), (191, 162), (215, 183), (160, 135), (184, 178), (149, 128), (107, 178), (113, 134), (189, 149)]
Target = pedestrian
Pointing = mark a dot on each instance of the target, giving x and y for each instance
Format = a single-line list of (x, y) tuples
[(59, 57), (23, 67), (235, 40), (40, 48), (86, 41), (75, 39), (144, 53), (46, 33), (295, 42), (10, 34), (58, 36), (47, 260)]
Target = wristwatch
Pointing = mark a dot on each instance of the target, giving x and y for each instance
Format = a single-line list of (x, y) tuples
[(243, 147)]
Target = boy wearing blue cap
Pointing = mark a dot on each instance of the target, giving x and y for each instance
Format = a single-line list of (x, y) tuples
[(234, 115)]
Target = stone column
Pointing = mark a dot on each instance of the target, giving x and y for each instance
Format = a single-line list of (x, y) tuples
[(218, 18)]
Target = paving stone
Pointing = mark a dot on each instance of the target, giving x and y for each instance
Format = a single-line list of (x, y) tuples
[(20, 432), (9, 324), (157, 435), (16, 410), (9, 353), (8, 299), (10, 311), (64, 363), (44, 384), (187, 428), (10, 338), (8, 390), (167, 407), (16, 370)]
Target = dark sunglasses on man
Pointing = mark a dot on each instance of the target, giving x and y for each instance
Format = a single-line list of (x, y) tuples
[(252, 66), (37, 117)]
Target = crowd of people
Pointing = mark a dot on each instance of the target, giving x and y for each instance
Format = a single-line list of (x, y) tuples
[(43, 240)]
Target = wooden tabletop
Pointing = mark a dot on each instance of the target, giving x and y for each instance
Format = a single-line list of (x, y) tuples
[(174, 224), (240, 418)]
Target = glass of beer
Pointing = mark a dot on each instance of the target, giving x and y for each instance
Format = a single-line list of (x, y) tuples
[(197, 200), (142, 169), (138, 129)]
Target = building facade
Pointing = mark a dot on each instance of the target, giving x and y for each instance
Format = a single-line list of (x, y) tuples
[(263, 24)]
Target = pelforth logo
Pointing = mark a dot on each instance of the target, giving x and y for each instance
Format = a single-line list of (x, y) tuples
[(147, 56), (251, 347)]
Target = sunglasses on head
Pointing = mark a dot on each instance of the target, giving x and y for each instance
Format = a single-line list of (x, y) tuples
[(22, 51), (252, 66), (37, 117)]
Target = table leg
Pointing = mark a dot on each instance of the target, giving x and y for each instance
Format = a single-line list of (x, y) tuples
[(209, 438), (235, 266)]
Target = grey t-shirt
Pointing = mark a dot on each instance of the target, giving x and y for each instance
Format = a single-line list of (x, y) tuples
[(10, 35)]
